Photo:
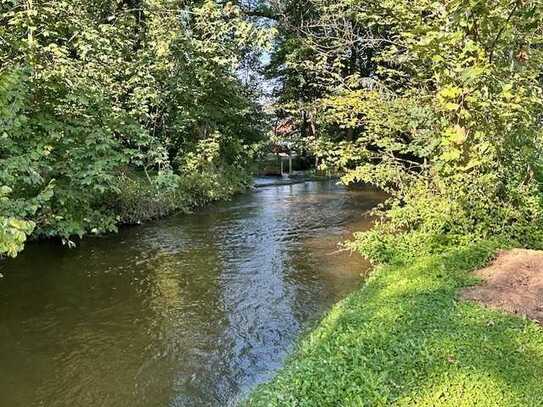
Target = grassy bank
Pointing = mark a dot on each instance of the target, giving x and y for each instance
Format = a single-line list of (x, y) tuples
[(141, 199), (405, 339)]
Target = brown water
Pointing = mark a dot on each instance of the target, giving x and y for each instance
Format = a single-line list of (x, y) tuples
[(189, 311)]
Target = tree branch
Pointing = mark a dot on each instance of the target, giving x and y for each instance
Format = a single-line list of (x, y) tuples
[(494, 43)]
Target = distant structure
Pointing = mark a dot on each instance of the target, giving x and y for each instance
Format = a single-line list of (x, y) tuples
[(284, 151), (284, 130), (284, 156)]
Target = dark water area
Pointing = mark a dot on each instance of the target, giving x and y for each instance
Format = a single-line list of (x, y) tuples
[(187, 311)]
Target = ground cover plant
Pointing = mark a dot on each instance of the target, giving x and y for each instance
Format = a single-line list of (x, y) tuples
[(406, 339)]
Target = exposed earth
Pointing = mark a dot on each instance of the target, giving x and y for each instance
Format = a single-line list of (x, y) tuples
[(512, 283)]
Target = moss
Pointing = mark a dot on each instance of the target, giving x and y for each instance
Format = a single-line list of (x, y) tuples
[(406, 339)]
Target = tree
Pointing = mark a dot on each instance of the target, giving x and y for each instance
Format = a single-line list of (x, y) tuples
[(96, 92), (438, 103)]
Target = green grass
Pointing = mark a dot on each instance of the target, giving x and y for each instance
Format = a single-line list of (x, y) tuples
[(406, 339)]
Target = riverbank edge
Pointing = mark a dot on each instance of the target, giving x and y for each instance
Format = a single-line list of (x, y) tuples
[(405, 338), (140, 200)]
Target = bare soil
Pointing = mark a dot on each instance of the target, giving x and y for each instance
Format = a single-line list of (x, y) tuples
[(512, 283)]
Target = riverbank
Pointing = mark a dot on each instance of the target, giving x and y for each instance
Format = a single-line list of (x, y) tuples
[(136, 198), (139, 200), (405, 338)]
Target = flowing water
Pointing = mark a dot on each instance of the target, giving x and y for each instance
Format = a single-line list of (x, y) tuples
[(188, 311)]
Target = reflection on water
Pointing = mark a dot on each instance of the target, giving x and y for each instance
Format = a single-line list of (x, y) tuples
[(188, 311)]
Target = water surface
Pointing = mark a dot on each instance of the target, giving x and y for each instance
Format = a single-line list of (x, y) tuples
[(188, 311)]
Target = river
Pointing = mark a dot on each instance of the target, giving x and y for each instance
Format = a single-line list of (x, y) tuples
[(191, 310)]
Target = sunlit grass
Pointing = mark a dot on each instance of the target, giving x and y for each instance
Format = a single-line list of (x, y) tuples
[(406, 339)]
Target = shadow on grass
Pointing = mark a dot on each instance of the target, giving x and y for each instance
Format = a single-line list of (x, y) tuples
[(406, 339)]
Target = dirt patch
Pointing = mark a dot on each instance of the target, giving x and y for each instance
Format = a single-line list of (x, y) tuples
[(513, 283)]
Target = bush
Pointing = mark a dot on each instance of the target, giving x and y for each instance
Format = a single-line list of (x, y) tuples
[(140, 198)]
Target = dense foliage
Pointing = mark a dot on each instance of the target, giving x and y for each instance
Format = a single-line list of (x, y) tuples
[(437, 102), (120, 105)]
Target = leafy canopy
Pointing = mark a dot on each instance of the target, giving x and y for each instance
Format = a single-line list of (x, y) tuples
[(438, 103), (95, 93)]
